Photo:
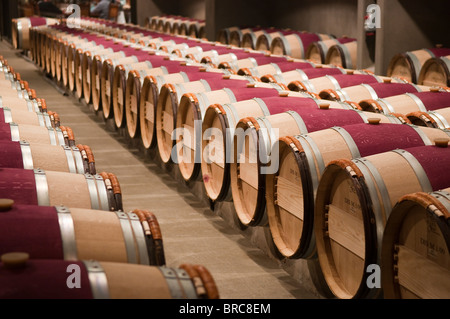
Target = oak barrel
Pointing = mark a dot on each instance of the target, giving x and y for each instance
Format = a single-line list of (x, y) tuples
[(169, 99), (296, 44), (409, 64), (354, 200), (217, 138), (191, 111), (317, 51), (254, 155), (343, 55), (58, 158), (408, 102), (372, 91), (60, 232), (435, 71), (439, 118), (291, 190), (100, 280), (52, 188), (415, 248)]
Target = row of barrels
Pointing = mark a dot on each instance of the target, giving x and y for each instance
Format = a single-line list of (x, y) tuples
[(316, 47), (261, 107), (20, 29), (427, 66), (59, 216), (177, 25)]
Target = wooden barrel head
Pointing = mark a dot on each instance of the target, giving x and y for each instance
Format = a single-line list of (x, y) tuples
[(286, 203), (416, 245), (214, 166), (340, 219), (435, 72), (166, 112), (246, 184), (189, 117), (147, 112)]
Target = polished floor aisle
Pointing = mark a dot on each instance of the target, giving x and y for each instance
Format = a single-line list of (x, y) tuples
[(192, 231)]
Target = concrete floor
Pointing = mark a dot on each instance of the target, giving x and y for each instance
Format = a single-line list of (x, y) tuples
[(241, 261)]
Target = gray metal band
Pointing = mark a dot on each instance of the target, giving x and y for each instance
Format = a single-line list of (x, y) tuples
[(345, 105), (231, 119), (379, 182), (231, 95), (45, 118), (33, 105), (300, 42), (446, 61), (92, 188), (302, 74), (439, 118), (179, 283), (97, 279), (128, 237), (185, 76), (418, 102), (267, 134), (422, 135), (299, 120), (78, 160), (205, 84), (343, 95), (444, 194), (15, 134), (19, 34), (310, 147), (348, 59), (333, 80), (416, 87), (379, 80), (363, 115), (387, 107), (203, 103), (418, 170), (7, 114), (309, 86), (163, 68), (313, 146), (348, 140), (20, 93), (263, 106), (41, 120), (41, 187), (140, 239), (368, 169), (101, 192), (27, 157), (276, 67), (416, 63), (67, 229), (51, 135), (429, 52), (372, 92), (60, 136), (323, 47), (70, 159)]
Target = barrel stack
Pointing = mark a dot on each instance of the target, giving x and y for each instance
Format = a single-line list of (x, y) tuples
[(59, 214), (337, 165)]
